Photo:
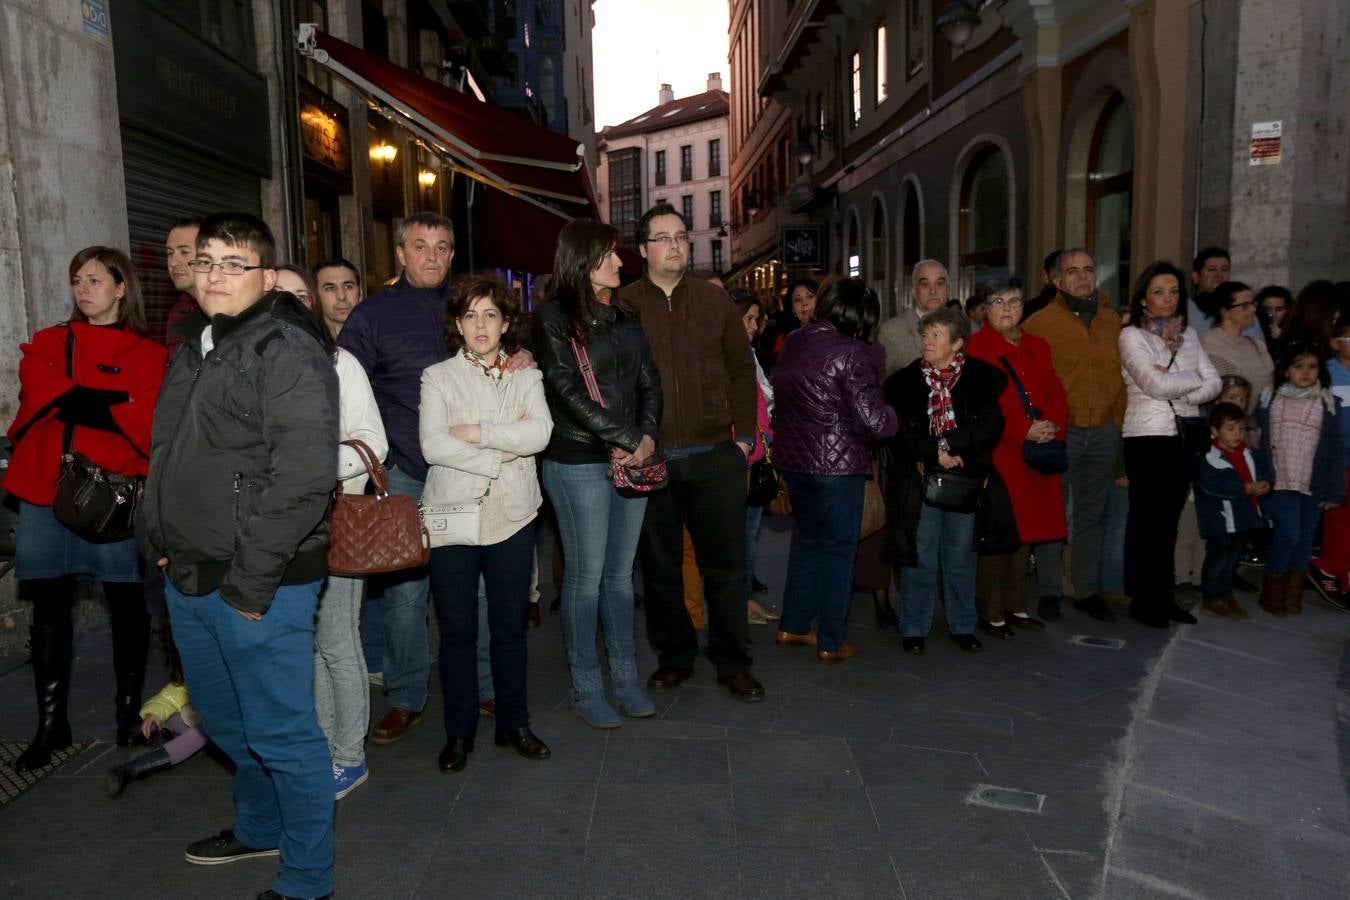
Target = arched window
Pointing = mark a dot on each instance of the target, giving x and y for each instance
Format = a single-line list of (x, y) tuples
[(880, 257), (853, 261), (984, 225), (1110, 189), (911, 243)]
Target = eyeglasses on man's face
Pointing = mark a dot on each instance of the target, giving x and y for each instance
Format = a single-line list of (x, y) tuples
[(668, 239), (229, 266)]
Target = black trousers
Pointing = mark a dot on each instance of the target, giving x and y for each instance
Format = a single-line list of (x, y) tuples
[(1159, 469), (706, 494)]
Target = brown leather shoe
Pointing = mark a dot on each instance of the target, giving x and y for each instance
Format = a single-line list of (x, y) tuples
[(846, 650), (788, 637), (532, 616), (1235, 608), (1293, 592), (668, 678), (394, 725), (1218, 607), (744, 686), (488, 707), (1026, 623), (1272, 594)]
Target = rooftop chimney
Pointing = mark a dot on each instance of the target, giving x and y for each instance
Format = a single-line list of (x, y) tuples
[(714, 81), (666, 95)]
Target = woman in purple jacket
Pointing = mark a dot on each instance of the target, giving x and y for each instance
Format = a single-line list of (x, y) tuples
[(828, 410)]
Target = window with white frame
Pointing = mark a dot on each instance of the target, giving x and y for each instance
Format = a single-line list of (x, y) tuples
[(855, 116), (882, 63)]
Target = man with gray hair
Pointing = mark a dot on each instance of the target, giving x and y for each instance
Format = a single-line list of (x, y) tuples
[(1083, 331), (900, 335)]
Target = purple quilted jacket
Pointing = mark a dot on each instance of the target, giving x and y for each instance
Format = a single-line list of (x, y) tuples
[(828, 407)]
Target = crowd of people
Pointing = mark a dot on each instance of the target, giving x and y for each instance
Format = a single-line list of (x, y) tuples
[(956, 451)]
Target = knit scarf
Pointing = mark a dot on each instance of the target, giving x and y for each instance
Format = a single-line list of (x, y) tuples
[(1172, 330), (1299, 393), (1237, 457), (495, 369), (941, 413)]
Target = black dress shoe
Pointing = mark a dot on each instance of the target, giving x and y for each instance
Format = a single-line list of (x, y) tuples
[(1177, 614), (455, 754), (1096, 607), (912, 644), (1049, 608), (668, 678), (532, 616), (526, 744), (743, 686), (1153, 618), (1003, 631), (887, 620), (757, 586), (968, 642)]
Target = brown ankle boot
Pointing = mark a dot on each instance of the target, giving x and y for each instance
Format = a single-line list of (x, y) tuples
[(1218, 607), (1293, 592), (1235, 608), (1272, 594)]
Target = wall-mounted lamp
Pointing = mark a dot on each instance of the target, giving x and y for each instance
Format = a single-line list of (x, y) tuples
[(957, 22), (384, 152), (804, 151), (752, 204), (426, 178)]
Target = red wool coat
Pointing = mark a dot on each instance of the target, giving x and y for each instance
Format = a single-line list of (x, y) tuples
[(107, 358), (1037, 499)]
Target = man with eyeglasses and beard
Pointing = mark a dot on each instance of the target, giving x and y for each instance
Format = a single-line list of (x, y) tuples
[(707, 432)]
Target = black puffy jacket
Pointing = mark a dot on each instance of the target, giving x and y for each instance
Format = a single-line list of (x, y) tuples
[(583, 430), (243, 453)]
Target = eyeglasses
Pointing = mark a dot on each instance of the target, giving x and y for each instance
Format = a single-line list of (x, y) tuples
[(668, 239), (1006, 301), (1249, 304), (229, 267)]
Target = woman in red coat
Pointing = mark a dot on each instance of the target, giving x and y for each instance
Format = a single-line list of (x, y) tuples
[(88, 385), (1036, 498)]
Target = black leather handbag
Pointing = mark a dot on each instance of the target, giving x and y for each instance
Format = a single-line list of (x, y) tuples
[(763, 480), (1050, 458), (952, 489)]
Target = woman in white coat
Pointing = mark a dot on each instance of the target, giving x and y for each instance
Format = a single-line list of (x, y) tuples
[(480, 425), (1168, 376)]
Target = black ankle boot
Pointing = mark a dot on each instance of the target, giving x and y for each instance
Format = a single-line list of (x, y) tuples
[(887, 620), (526, 744), (131, 640), (141, 767), (51, 677)]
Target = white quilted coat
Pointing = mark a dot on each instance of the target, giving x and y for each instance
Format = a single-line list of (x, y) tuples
[(1190, 381)]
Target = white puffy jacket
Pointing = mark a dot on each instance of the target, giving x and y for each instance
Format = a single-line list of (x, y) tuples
[(358, 419), (1190, 381)]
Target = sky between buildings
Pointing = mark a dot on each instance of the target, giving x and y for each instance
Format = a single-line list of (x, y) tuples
[(641, 43)]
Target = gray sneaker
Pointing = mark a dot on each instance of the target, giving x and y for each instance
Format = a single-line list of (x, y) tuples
[(224, 848)]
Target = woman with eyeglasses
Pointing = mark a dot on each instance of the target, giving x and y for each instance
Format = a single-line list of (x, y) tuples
[(1232, 308), (86, 387), (1036, 413)]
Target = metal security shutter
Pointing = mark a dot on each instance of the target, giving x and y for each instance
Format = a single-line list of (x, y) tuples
[(166, 182)]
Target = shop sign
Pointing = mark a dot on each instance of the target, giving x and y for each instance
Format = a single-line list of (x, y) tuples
[(1265, 146), (323, 136), (94, 15), (803, 246)]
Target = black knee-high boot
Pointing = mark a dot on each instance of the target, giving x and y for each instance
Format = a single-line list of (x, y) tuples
[(144, 766), (131, 639), (52, 638)]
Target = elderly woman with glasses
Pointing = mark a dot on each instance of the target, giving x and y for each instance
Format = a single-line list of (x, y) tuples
[(1036, 411), (1232, 307), (948, 404)]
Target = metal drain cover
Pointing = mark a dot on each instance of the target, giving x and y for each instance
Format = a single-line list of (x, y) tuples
[(1006, 798), (1089, 640)]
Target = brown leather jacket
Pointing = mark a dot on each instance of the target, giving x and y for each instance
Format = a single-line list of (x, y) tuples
[(707, 372)]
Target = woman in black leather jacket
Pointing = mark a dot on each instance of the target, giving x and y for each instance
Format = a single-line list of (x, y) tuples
[(599, 527)]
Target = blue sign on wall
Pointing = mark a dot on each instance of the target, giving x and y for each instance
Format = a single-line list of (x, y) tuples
[(95, 16)]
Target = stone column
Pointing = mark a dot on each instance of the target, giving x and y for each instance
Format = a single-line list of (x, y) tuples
[(1158, 44), (1042, 94)]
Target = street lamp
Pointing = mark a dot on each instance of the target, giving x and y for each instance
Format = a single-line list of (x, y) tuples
[(958, 22), (752, 204)]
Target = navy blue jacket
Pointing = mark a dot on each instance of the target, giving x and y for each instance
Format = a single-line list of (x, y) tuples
[(1221, 502), (395, 334), (1328, 474)]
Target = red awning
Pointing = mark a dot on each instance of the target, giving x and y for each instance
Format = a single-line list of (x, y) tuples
[(539, 167)]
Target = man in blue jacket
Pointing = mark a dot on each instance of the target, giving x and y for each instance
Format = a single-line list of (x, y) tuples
[(395, 334)]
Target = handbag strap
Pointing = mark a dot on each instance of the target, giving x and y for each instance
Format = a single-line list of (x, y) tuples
[(379, 475), (1021, 390), (68, 437), (587, 372)]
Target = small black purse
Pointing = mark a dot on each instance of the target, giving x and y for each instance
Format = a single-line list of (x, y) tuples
[(1050, 458), (952, 489), (763, 486)]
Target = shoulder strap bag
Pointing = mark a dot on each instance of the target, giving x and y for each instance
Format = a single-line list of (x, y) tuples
[(1049, 458), (628, 480), (375, 533)]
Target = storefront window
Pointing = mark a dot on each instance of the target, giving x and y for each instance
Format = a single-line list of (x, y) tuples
[(854, 260), (880, 252), (984, 221), (911, 246), (1110, 185)]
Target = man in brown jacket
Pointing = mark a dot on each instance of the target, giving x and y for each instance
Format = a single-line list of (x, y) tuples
[(1082, 330), (708, 387)]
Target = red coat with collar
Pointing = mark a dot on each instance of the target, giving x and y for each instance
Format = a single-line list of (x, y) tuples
[(1037, 500), (107, 358)]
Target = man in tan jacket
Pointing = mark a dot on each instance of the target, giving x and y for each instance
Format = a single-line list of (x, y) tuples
[(1082, 330), (707, 431)]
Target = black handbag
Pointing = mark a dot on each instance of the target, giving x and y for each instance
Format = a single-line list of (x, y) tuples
[(94, 503), (952, 489), (763, 485), (1049, 458)]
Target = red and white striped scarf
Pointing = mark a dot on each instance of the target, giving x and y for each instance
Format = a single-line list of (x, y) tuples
[(941, 413)]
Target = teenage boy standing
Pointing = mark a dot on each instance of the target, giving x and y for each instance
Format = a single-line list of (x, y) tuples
[(242, 457)]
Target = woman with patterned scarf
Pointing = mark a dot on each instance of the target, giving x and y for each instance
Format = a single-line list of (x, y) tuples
[(1167, 376), (949, 418)]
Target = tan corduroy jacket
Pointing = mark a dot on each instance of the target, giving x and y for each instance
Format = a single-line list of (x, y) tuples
[(1086, 359)]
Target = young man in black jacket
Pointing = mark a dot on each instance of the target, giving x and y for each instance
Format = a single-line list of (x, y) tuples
[(243, 451)]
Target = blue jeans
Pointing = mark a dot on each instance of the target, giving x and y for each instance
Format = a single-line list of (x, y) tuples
[(406, 661), (828, 510), (1222, 553), (253, 683), (1294, 519), (753, 516), (944, 540), (599, 531), (1114, 517), (372, 625)]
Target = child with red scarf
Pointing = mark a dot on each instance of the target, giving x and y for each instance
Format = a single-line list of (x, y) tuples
[(1227, 482)]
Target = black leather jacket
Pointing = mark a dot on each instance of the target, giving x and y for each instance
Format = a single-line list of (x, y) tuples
[(583, 430)]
